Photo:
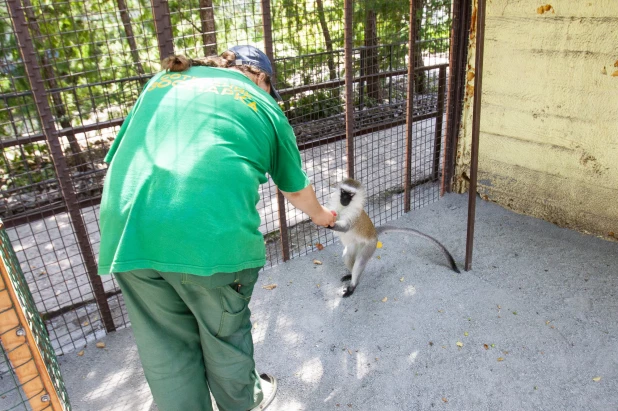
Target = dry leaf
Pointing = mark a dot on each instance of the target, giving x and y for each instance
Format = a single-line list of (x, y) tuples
[(317, 262), (401, 279), (384, 299), (616, 63), (318, 285), (101, 345), (379, 244), (465, 333), (79, 354), (379, 258), (319, 246), (486, 346), (459, 344), (615, 73), (349, 351), (548, 7), (596, 379), (85, 323), (270, 287), (500, 359), (444, 399)]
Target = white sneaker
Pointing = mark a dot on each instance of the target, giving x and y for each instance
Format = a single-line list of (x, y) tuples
[(269, 389)]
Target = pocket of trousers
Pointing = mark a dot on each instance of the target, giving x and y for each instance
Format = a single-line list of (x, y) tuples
[(235, 311)]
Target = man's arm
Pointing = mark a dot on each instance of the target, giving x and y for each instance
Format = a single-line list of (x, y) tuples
[(307, 202)]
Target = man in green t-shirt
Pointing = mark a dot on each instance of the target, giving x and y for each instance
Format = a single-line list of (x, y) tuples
[(180, 228)]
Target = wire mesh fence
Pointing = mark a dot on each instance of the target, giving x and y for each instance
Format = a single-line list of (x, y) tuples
[(94, 57), (29, 373)]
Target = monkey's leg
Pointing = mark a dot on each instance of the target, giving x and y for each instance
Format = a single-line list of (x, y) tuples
[(349, 255), (363, 255)]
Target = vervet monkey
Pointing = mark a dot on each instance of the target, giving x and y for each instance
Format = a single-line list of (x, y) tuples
[(358, 234)]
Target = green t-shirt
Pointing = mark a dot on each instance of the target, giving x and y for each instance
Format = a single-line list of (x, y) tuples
[(181, 191)]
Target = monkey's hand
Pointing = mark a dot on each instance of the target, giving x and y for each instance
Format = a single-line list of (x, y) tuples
[(341, 226)]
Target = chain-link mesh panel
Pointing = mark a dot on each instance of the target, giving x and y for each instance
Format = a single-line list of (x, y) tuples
[(31, 376), (95, 57)]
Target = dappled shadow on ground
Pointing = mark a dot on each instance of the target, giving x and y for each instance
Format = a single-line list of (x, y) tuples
[(532, 326)]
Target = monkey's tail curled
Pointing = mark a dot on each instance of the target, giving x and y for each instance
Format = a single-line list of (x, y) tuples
[(391, 229)]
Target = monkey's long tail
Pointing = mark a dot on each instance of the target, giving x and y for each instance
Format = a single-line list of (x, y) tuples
[(390, 229)]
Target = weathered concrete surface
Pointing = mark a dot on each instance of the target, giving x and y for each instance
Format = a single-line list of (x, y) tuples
[(548, 136), (536, 319)]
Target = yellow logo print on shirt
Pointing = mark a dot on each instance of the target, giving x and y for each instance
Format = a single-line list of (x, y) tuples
[(205, 85)]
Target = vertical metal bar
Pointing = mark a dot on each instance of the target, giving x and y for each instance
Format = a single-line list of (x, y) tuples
[(361, 83), (33, 72), (390, 79), (268, 37), (476, 124), (268, 49), (409, 112), (437, 144), (457, 66), (348, 8), (163, 27)]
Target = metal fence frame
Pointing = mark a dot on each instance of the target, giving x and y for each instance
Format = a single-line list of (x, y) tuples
[(448, 105)]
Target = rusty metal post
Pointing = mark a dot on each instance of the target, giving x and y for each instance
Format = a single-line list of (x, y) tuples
[(163, 27), (437, 143), (456, 87), (348, 10), (407, 186), (33, 72), (268, 49), (476, 124)]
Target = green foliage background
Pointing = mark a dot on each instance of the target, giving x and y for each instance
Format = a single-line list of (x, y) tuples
[(91, 68)]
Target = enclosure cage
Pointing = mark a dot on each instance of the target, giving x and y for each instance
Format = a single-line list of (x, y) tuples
[(373, 90)]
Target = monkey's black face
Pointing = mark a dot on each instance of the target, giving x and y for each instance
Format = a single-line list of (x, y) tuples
[(346, 197)]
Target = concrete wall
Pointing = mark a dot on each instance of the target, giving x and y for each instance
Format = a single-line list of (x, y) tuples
[(549, 125)]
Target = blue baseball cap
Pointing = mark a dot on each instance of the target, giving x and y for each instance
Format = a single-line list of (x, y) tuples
[(252, 56)]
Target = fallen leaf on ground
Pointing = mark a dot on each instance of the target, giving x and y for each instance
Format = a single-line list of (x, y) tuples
[(379, 258), (465, 333), (349, 351), (486, 346), (270, 287), (401, 279), (500, 359), (318, 285), (596, 379), (101, 345), (459, 344), (444, 399), (384, 299), (85, 323), (379, 244), (79, 354), (317, 262), (319, 246)]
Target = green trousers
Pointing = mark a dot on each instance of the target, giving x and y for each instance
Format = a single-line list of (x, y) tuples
[(193, 336)]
